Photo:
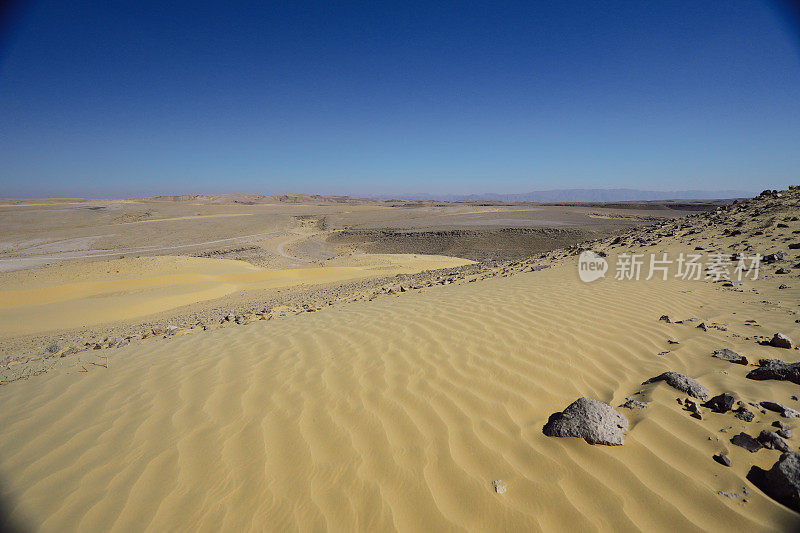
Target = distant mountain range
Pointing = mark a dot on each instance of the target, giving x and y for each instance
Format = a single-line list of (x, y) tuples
[(586, 195)]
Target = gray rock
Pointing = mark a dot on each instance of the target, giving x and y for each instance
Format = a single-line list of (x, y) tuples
[(722, 403), (782, 481), (682, 383), (771, 441), (779, 340), (747, 442), (499, 486), (594, 421), (743, 413), (730, 355), (722, 459), (786, 412), (785, 433), (776, 369)]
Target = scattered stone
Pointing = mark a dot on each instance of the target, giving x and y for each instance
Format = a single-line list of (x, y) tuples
[(722, 403), (782, 481), (777, 256), (681, 382), (594, 421), (730, 355), (771, 441), (702, 326), (722, 459), (785, 433), (747, 442), (777, 370), (670, 341), (665, 318), (499, 486), (779, 340), (630, 403)]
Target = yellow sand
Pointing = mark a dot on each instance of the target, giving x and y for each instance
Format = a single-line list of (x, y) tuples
[(107, 291), (398, 414)]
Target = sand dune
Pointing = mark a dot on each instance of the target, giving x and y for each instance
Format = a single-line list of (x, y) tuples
[(396, 413)]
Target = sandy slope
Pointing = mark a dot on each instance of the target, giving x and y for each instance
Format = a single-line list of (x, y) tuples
[(398, 413)]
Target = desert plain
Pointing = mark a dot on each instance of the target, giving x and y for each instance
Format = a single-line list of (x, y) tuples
[(245, 362)]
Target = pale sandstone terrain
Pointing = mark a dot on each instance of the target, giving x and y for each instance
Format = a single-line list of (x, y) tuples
[(399, 402), (76, 271)]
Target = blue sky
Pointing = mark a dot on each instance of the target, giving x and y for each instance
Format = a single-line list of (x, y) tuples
[(115, 98)]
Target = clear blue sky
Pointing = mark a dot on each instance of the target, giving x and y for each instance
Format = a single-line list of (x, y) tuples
[(114, 98)]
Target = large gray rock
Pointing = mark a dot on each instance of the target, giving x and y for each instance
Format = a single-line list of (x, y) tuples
[(595, 422), (776, 369), (772, 441), (730, 355), (782, 481), (681, 382)]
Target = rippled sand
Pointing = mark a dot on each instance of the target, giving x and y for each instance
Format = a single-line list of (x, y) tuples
[(398, 414)]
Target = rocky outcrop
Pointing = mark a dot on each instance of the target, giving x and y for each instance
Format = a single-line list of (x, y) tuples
[(777, 370)]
